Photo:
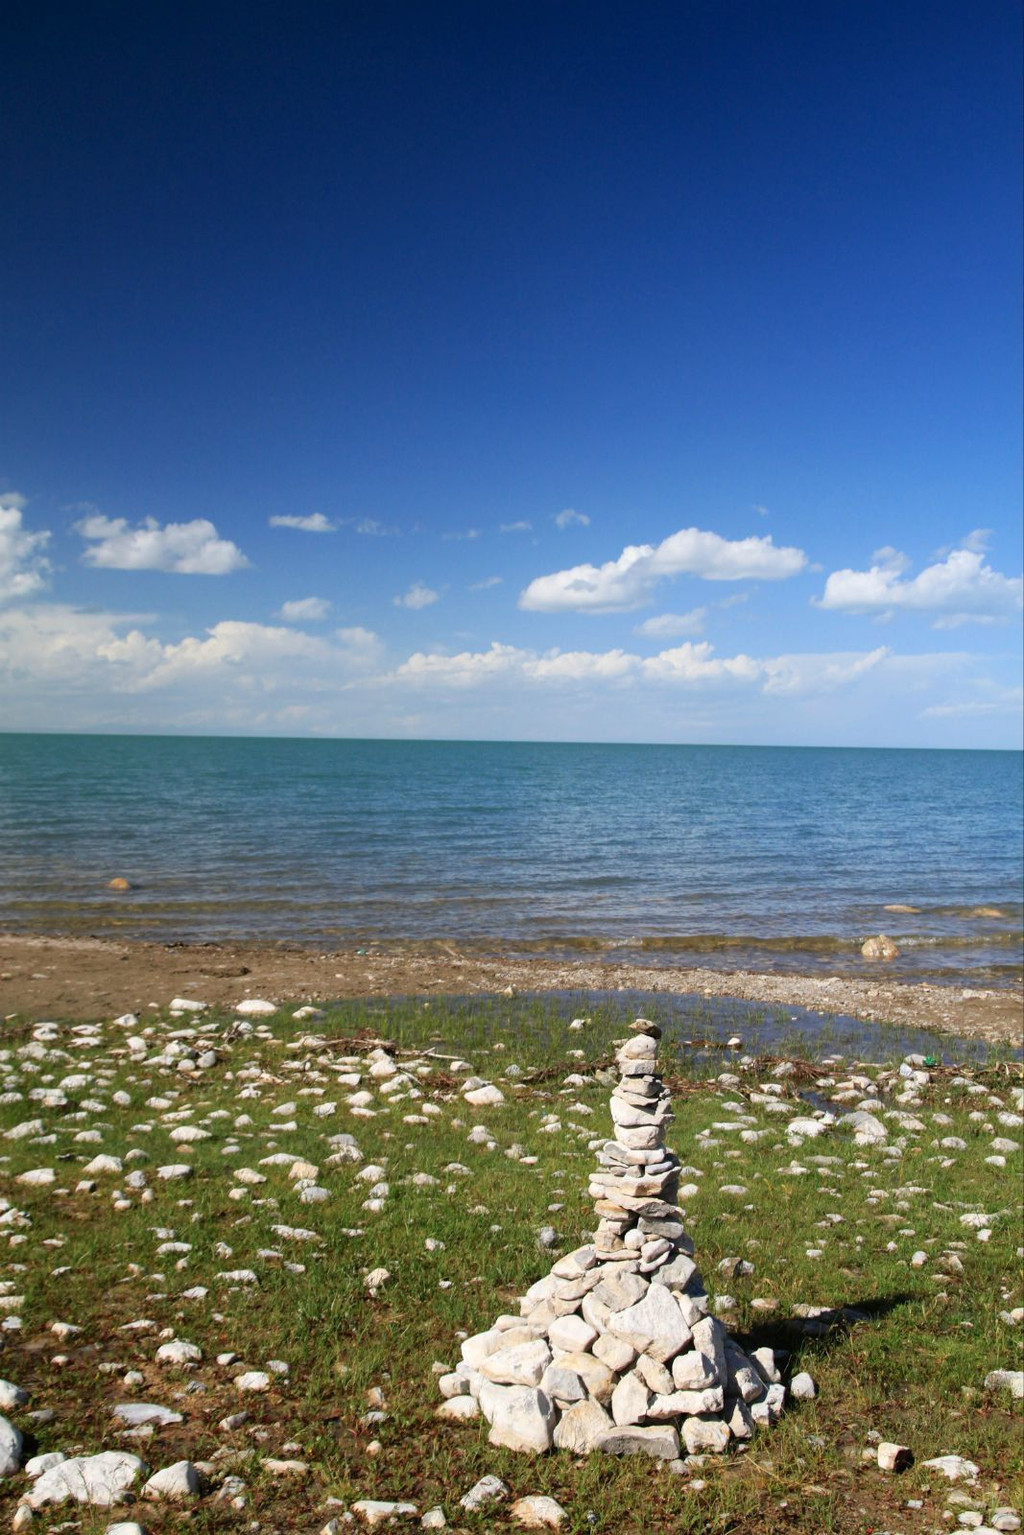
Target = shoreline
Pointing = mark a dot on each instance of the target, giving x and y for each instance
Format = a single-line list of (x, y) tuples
[(81, 978)]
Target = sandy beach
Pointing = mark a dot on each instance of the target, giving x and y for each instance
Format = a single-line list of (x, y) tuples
[(89, 978)]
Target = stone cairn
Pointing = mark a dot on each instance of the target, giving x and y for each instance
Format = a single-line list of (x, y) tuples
[(614, 1349)]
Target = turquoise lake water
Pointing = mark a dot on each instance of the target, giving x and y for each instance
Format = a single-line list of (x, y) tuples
[(761, 857)]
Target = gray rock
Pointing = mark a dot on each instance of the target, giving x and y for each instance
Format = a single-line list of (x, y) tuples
[(661, 1442)]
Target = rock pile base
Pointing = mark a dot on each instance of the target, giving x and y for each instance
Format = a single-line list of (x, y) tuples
[(614, 1349)]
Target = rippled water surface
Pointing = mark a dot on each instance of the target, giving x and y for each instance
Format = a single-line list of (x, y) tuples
[(765, 857)]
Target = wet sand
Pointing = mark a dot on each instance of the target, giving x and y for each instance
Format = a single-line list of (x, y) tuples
[(87, 978)]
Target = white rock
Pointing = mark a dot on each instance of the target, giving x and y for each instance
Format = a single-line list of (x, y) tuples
[(180, 1483), (12, 1396), (894, 1457), (630, 1400), (521, 1364), (434, 1519), (802, 1387), (137, 1413), (521, 1417), (571, 1333), (701, 1435), (955, 1467), (179, 1352), (40, 1463), (538, 1513), (253, 1380), (372, 1512), (654, 1325), (99, 1480), (485, 1097), (582, 1427), (126, 1527), (458, 1409), (867, 1130), (255, 1007), (174, 1171), (10, 1448), (103, 1164), (489, 1489), (1006, 1380)]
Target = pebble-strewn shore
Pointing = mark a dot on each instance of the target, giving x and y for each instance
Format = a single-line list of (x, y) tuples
[(85, 977)]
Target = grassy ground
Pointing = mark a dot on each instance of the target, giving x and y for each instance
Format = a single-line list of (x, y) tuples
[(826, 1223)]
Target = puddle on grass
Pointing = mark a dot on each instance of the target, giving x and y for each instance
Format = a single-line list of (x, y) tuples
[(710, 1022)]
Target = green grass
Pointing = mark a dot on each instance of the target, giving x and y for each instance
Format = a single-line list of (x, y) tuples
[(911, 1370)]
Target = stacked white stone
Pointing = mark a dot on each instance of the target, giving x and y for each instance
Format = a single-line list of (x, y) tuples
[(614, 1349)]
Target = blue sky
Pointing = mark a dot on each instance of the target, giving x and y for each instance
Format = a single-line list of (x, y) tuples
[(519, 370)]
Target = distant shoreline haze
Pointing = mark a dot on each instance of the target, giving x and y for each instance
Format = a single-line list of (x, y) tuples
[(120, 733)]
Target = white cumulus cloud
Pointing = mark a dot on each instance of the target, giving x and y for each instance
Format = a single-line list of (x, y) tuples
[(418, 596), (515, 527), (667, 625), (571, 519), (314, 522), (629, 581), (305, 610), (23, 566), (183, 548), (960, 589), (688, 666)]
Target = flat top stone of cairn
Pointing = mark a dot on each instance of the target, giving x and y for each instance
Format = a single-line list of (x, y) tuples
[(614, 1349)]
